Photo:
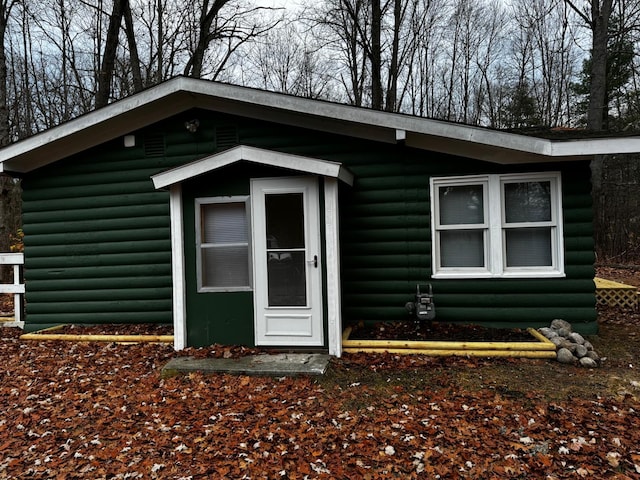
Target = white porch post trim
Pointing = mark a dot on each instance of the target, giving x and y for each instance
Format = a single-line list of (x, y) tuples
[(177, 268), (334, 314)]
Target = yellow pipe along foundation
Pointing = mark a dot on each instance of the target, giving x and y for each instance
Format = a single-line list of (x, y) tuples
[(458, 353), (47, 335), (539, 348)]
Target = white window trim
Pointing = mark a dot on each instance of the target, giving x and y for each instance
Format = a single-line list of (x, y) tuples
[(495, 253), (199, 202)]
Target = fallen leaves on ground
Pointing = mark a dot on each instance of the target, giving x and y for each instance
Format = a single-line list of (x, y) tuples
[(102, 411)]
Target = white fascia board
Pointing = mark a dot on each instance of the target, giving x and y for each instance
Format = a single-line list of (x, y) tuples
[(256, 155), (596, 146), (398, 125), (495, 146), (93, 128), (183, 93)]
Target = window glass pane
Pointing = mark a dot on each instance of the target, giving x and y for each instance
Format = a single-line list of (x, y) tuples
[(462, 204), (285, 220), (224, 223), (527, 202), (287, 279), (462, 248), (225, 266), (528, 247)]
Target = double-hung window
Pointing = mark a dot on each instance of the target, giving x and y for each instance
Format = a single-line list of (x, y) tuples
[(497, 226), (222, 244)]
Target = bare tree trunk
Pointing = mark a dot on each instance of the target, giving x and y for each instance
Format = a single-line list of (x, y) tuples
[(598, 23), (376, 55), (392, 83), (160, 41), (105, 75), (597, 111), (207, 16), (5, 139), (7, 184), (133, 47)]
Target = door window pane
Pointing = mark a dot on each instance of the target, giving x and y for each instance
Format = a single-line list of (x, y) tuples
[(286, 253), (287, 279), (527, 202), (528, 247), (461, 205), (462, 248), (285, 220)]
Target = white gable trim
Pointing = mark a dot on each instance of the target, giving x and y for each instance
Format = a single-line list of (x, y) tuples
[(256, 155)]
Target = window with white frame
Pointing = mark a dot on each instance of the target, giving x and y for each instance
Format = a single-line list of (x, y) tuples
[(222, 244), (497, 226)]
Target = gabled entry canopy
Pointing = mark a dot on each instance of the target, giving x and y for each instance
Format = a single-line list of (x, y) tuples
[(181, 94), (255, 155), (332, 172)]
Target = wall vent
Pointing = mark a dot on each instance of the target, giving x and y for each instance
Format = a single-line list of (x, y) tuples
[(226, 137), (154, 145)]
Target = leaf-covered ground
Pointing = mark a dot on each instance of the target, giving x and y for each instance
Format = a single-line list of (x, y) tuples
[(102, 411), (89, 410)]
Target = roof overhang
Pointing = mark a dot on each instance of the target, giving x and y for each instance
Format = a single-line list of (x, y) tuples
[(255, 155), (182, 93)]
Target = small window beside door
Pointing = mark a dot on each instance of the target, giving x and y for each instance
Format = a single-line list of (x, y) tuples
[(222, 244)]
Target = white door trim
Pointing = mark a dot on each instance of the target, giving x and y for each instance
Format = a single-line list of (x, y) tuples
[(178, 268), (288, 325), (332, 244)]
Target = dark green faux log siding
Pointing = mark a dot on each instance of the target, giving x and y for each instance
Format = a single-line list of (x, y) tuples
[(388, 250), (97, 234), (386, 247), (386, 238), (98, 249)]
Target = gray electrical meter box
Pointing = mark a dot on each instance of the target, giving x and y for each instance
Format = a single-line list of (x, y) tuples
[(422, 308)]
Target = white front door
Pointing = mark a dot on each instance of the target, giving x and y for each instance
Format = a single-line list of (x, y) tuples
[(286, 259)]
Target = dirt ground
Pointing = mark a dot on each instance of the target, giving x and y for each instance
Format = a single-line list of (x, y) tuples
[(629, 274)]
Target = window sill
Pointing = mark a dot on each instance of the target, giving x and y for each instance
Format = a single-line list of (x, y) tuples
[(460, 275), (224, 290)]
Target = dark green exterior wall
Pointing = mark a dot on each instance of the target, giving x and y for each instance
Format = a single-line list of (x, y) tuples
[(214, 317), (97, 235), (385, 236), (386, 249)]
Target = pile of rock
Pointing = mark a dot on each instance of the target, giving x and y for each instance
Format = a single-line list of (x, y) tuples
[(571, 347)]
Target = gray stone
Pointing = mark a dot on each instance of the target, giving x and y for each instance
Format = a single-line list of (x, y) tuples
[(565, 356), (588, 362), (558, 323), (588, 344), (575, 337), (593, 355), (564, 332), (581, 351), (568, 345), (547, 332), (281, 364), (557, 341)]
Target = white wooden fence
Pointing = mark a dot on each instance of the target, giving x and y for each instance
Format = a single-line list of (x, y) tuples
[(16, 288)]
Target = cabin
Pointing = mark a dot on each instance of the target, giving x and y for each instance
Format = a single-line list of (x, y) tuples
[(249, 217)]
